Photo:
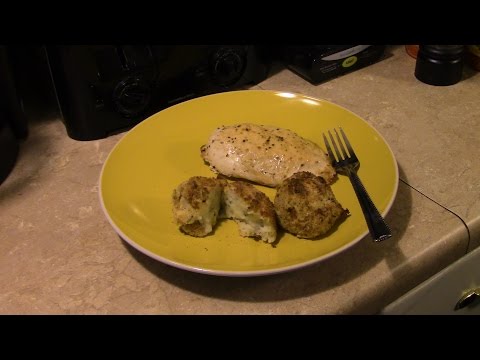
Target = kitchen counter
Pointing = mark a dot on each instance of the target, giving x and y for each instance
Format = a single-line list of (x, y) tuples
[(59, 254)]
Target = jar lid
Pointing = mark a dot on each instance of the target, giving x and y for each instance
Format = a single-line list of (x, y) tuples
[(442, 51), (439, 65)]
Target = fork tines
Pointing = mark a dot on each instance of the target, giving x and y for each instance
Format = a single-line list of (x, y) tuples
[(342, 154)]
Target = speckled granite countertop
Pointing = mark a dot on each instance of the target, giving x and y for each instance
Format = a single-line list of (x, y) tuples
[(59, 255)]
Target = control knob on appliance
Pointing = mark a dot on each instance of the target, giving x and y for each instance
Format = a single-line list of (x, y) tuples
[(131, 96), (228, 65)]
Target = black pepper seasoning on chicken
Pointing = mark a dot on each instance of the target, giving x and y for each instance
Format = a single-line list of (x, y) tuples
[(266, 155)]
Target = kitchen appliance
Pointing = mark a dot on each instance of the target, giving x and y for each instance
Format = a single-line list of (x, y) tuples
[(13, 124), (8, 148), (318, 63), (106, 89)]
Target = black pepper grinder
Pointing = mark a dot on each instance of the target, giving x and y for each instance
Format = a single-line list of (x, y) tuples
[(440, 65)]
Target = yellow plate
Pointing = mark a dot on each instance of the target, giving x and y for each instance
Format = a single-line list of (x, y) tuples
[(140, 173)]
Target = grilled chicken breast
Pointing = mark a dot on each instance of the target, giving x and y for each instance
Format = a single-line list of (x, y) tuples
[(264, 154)]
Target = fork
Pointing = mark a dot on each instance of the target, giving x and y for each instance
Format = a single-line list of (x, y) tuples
[(348, 164)]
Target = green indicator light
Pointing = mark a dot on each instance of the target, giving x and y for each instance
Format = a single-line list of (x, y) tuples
[(349, 61)]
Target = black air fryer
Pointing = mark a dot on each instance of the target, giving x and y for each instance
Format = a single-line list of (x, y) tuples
[(8, 147), (106, 89), (13, 124)]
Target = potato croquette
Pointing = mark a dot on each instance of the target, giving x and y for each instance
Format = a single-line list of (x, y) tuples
[(306, 206), (251, 209), (196, 205)]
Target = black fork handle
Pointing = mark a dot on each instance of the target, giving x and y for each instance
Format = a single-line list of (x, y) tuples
[(377, 226)]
